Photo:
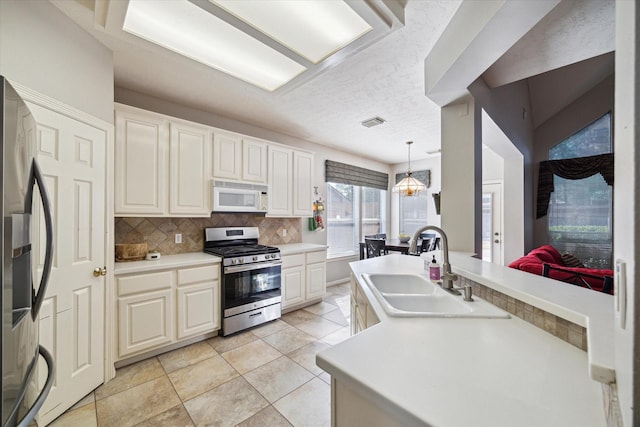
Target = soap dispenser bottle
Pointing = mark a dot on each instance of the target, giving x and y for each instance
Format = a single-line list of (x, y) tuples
[(434, 269)]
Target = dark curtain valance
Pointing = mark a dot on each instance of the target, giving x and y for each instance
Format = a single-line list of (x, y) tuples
[(579, 168), (342, 173), (423, 176)]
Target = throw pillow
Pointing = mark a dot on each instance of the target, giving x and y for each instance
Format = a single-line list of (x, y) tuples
[(569, 260)]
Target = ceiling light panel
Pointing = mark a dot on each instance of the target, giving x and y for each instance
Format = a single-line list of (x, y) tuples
[(314, 29), (185, 28)]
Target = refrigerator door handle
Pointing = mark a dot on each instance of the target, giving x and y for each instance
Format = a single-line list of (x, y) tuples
[(31, 414), (37, 178)]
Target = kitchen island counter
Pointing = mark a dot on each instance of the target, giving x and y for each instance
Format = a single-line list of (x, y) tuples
[(459, 372)]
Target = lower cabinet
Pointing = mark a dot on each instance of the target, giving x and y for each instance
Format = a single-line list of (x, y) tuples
[(362, 315), (304, 278), (161, 308)]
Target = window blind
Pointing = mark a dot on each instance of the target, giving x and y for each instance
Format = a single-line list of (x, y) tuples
[(342, 173)]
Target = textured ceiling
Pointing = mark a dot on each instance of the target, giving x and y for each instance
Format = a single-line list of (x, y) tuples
[(386, 79)]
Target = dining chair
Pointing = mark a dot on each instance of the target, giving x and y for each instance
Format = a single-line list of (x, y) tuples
[(430, 244), (376, 236), (375, 247)]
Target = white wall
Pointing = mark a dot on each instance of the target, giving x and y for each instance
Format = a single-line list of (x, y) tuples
[(461, 174), (508, 107), (492, 165), (627, 204), (45, 51)]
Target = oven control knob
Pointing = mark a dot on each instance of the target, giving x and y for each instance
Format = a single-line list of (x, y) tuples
[(255, 258)]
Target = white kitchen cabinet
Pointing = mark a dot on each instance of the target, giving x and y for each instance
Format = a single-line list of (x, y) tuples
[(198, 300), (293, 280), (239, 158), (290, 182), (362, 315), (189, 165), (316, 271), (227, 155), (141, 162), (159, 308), (254, 161), (280, 181), (162, 165), (303, 278), (302, 184), (145, 312)]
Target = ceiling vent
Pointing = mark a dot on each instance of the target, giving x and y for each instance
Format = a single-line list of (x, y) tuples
[(372, 122)]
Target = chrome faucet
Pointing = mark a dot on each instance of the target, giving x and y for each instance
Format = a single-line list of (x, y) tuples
[(447, 276)]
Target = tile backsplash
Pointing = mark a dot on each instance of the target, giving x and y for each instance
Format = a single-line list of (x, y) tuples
[(159, 233)]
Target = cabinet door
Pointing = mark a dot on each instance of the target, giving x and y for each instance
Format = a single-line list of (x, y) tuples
[(316, 280), (141, 162), (280, 181), (302, 184), (254, 161), (227, 155), (198, 309), (293, 286), (145, 321), (189, 169)]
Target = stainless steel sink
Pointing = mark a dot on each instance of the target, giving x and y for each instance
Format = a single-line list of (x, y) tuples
[(413, 295)]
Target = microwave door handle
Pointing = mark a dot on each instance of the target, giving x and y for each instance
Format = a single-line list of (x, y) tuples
[(37, 178)]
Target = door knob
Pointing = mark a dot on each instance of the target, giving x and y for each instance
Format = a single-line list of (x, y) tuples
[(97, 272)]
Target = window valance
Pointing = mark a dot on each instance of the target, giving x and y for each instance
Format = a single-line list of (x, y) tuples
[(578, 168), (342, 173)]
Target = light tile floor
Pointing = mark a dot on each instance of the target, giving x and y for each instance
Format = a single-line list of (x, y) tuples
[(266, 376)]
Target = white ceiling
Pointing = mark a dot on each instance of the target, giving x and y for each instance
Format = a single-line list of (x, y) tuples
[(385, 79)]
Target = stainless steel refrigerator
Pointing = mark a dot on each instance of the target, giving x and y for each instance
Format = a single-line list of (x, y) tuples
[(21, 298)]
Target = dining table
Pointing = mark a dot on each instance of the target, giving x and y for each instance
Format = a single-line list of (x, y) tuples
[(394, 245)]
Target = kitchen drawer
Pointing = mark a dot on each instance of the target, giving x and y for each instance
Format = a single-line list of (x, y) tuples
[(292, 260), (317, 256), (206, 273), (138, 283)]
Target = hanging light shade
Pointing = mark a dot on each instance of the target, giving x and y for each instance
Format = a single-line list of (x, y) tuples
[(409, 186)]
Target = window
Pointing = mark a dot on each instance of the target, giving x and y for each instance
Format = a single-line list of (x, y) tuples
[(352, 213), (413, 212), (580, 211), (413, 209)]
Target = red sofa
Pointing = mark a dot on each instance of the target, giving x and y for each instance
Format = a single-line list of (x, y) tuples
[(547, 261)]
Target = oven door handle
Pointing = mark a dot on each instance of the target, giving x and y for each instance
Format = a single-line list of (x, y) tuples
[(256, 266)]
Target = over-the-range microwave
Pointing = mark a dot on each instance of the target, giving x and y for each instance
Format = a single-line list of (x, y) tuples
[(227, 196)]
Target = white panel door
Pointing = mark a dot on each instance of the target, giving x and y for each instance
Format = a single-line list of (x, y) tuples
[(141, 156), (72, 156), (492, 247), (189, 170), (227, 155), (254, 161), (302, 184), (280, 181)]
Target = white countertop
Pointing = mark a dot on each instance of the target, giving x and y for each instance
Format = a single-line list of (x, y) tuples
[(296, 248), (462, 372), (165, 262)]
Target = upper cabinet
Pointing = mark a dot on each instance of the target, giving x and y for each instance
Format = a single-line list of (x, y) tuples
[(239, 158), (189, 165), (290, 182), (141, 162), (161, 165), (227, 155), (164, 167)]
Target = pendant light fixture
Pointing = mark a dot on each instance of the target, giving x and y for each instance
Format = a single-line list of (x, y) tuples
[(409, 186)]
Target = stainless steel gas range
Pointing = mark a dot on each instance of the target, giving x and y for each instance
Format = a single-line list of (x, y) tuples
[(251, 277)]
